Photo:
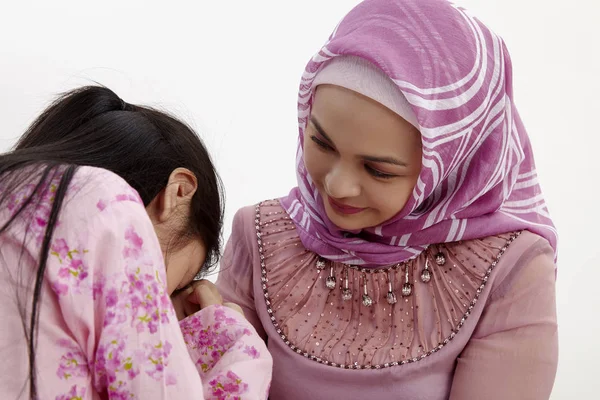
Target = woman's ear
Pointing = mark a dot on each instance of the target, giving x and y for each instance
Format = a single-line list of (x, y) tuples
[(180, 189)]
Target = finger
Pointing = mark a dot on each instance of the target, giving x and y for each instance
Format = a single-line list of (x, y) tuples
[(234, 307), (205, 294), (179, 305)]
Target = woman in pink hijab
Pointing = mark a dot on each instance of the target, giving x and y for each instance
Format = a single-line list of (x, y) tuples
[(416, 257)]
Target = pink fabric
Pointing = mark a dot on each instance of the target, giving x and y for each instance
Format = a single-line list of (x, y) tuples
[(506, 349), (479, 177), (359, 75), (107, 328)]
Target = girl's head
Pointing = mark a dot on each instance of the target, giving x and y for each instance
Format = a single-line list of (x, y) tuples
[(409, 136), (158, 155), (360, 150)]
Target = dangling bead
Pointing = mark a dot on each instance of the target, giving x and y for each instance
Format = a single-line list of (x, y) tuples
[(330, 281), (346, 292), (406, 287), (391, 296), (440, 259), (426, 274), (320, 264), (366, 299)]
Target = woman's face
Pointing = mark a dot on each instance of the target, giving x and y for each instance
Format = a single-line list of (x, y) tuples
[(170, 213), (363, 158)]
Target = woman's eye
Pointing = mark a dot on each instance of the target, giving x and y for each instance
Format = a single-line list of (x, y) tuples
[(378, 174), (321, 143)]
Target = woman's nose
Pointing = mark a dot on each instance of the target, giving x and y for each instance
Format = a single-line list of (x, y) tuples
[(341, 183)]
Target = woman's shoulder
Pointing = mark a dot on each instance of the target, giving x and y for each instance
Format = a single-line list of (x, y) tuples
[(526, 257), (265, 228), (95, 190), (251, 218), (502, 258)]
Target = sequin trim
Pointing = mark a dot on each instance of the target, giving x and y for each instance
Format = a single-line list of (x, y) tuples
[(441, 345)]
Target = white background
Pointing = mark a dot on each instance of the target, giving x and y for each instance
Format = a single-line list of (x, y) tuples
[(231, 69)]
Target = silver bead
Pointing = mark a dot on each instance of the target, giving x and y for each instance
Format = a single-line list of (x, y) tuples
[(330, 282), (366, 299), (346, 294), (406, 287), (320, 263), (391, 298), (425, 275), (440, 259)]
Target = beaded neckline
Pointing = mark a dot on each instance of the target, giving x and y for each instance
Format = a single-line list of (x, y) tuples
[(389, 271), (406, 267)]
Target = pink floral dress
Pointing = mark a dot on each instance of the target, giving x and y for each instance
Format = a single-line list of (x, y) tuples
[(107, 328)]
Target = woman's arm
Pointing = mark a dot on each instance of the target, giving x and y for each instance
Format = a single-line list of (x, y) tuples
[(109, 277), (513, 353), (236, 272)]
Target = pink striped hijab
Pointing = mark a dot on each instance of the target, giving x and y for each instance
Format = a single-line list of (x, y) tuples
[(478, 178)]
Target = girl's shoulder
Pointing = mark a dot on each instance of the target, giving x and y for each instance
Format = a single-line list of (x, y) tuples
[(94, 190), (90, 192)]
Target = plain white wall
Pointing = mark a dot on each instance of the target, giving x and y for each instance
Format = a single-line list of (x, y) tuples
[(231, 69)]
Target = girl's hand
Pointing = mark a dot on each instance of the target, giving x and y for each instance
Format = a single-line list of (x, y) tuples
[(198, 295)]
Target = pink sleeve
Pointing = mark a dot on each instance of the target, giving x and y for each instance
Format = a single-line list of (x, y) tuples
[(237, 267), (109, 277), (513, 353)]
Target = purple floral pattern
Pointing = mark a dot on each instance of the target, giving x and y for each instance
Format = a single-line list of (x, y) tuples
[(252, 352), (228, 386), (128, 194), (35, 219), (211, 341), (75, 393), (73, 271), (73, 363)]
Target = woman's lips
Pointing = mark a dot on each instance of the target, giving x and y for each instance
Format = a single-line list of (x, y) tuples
[(343, 208)]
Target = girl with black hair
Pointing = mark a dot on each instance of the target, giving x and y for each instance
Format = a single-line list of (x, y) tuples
[(106, 210)]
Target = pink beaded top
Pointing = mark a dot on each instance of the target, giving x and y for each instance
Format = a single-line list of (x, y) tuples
[(481, 297)]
